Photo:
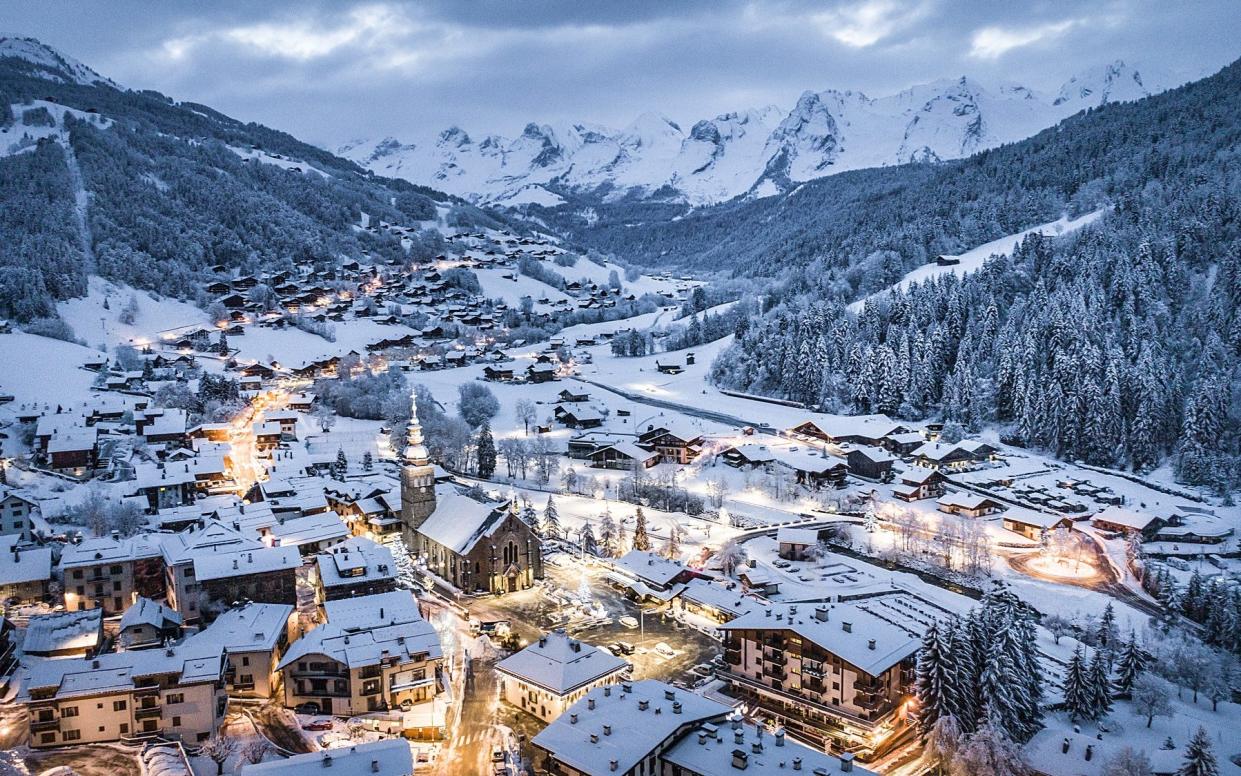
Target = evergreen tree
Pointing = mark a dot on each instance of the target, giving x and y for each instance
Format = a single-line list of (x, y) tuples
[(1199, 757), (1131, 664), (933, 680), (641, 541), (1076, 689), (607, 535), (551, 520), (221, 346), (368, 461), (486, 452), (1099, 686), (672, 547), (586, 539), (340, 467)]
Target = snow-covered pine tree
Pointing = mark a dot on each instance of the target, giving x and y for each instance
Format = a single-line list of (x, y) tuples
[(641, 540), (607, 535), (586, 539), (340, 466), (551, 520), (1199, 756), (933, 680), (1130, 665), (368, 461), (1099, 686), (1076, 691), (486, 452)]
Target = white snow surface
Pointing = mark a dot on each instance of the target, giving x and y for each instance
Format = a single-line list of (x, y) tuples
[(758, 152)]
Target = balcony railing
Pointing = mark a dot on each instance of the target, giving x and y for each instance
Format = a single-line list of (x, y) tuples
[(37, 725), (148, 712)]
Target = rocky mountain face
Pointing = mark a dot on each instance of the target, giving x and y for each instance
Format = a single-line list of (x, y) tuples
[(752, 153)]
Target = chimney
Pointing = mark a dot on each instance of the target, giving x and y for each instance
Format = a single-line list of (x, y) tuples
[(847, 627), (374, 766), (797, 763), (702, 738), (572, 719), (381, 614), (821, 613), (594, 738), (542, 641), (590, 704), (741, 760), (846, 762), (643, 705), (607, 692), (756, 747), (676, 707), (670, 695), (779, 736), (607, 730), (738, 736), (94, 664), (327, 761), (613, 765), (234, 564), (870, 644)]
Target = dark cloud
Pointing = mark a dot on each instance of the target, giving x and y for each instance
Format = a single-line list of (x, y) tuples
[(328, 71)]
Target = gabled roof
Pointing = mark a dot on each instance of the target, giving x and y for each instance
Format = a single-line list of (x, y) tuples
[(387, 756), (560, 664), (147, 612), (238, 564), (366, 611), (405, 643), (459, 522), (649, 567), (48, 633)]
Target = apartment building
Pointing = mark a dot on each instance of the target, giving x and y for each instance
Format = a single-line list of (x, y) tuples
[(110, 573), (552, 673)]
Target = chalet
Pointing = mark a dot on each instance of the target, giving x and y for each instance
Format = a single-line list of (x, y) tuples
[(73, 451), (233, 301), (903, 443), (569, 395), (918, 483), (623, 455), (796, 543), (255, 636), (64, 634), (16, 512), (1033, 525), (647, 575), (717, 600), (674, 442), (498, 373), (541, 373), (578, 417), (1127, 521), (553, 672), (267, 435), (388, 756), (850, 429), (968, 504), (758, 579), (939, 455), (669, 368), (748, 454), (872, 463), (811, 469), (947, 261)]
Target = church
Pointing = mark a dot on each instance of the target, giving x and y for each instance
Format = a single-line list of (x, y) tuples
[(476, 547)]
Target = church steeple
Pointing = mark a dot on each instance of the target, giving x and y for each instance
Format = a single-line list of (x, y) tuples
[(417, 480)]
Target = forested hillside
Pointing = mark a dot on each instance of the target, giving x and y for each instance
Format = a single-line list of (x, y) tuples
[(138, 188), (866, 229), (1118, 345)]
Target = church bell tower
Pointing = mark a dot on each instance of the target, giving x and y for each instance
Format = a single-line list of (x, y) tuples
[(417, 480)]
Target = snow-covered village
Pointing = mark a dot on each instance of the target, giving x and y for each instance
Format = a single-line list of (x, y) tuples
[(891, 433)]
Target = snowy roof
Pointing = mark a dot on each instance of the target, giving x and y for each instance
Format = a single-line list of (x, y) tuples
[(408, 642), (321, 527), (354, 560), (104, 550), (1032, 517), (560, 664), (235, 564), (718, 596), (965, 500), (893, 624), (147, 612), (255, 627), (710, 750), (804, 461), (1125, 517), (628, 722), (388, 757), (865, 426), (938, 451), (630, 450), (195, 660), (74, 440), (789, 535), (364, 611), (917, 475), (649, 567), (753, 452), (459, 521), (876, 454), (49, 633), (215, 537), (23, 565)]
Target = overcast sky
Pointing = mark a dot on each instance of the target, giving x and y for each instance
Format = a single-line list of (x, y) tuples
[(331, 71)]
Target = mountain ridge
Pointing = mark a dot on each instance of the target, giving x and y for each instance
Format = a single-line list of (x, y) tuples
[(753, 152)]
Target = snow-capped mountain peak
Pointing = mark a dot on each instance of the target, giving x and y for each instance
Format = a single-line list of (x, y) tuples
[(50, 63), (751, 152)]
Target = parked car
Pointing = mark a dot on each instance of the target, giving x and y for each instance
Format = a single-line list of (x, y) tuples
[(318, 724), (629, 621), (623, 648), (663, 650)]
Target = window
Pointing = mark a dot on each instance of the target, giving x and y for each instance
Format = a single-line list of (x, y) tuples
[(176, 722), (118, 705), (47, 738), (174, 697), (69, 711), (247, 678), (116, 585), (114, 569), (124, 728), (245, 660), (81, 590), (73, 735), (77, 574)]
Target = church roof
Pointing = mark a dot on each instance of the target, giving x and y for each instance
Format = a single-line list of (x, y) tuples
[(459, 522)]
